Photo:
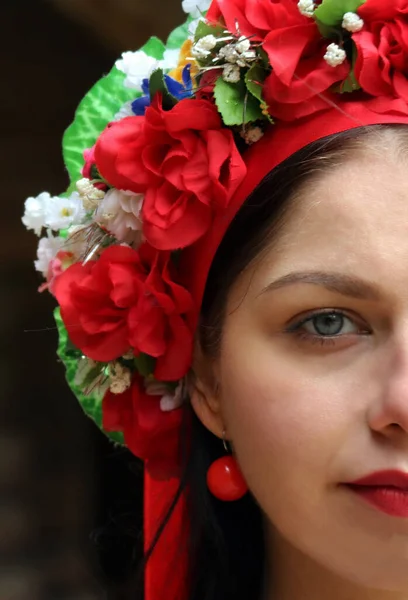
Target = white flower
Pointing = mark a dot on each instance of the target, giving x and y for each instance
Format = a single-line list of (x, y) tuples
[(136, 66), (61, 213), (89, 194), (169, 400), (306, 7), (231, 73), (170, 59), (119, 212), (76, 241), (335, 55), (195, 7), (48, 248), (34, 215), (125, 111), (352, 22)]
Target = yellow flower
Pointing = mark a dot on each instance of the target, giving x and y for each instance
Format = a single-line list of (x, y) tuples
[(185, 53)]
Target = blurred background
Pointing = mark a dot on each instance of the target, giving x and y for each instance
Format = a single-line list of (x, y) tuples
[(57, 472)]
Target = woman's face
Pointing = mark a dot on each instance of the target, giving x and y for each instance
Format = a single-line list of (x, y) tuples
[(312, 401)]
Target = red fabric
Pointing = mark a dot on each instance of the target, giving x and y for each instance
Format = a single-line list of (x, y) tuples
[(128, 299), (282, 140), (183, 160)]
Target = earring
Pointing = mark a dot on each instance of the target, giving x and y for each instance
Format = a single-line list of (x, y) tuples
[(224, 478)]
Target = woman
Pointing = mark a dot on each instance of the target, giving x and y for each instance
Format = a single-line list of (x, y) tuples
[(230, 277)]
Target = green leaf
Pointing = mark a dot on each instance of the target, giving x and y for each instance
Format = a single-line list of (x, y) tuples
[(157, 84), (331, 12), (204, 29), (178, 36), (235, 104), (70, 357), (145, 364), (351, 84), (254, 79), (96, 110)]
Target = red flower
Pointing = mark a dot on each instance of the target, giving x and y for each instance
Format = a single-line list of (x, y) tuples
[(89, 158), (382, 44), (149, 433), (128, 299), (295, 48), (183, 160)]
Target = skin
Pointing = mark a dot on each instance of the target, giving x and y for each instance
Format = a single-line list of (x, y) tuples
[(304, 416)]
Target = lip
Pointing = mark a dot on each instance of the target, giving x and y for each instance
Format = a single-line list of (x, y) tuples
[(385, 490)]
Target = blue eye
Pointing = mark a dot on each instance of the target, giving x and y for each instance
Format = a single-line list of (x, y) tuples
[(326, 327)]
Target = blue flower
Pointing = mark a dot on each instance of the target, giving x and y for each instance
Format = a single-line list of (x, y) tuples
[(181, 90), (140, 104), (176, 89)]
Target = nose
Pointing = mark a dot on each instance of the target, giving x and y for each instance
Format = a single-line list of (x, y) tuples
[(388, 413)]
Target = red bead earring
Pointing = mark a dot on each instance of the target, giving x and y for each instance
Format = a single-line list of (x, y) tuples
[(224, 478)]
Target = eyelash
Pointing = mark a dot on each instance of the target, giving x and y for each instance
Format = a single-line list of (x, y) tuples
[(319, 338)]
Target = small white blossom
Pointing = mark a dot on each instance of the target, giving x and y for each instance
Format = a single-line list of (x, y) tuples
[(35, 209), (203, 47), (335, 55), (125, 111), (352, 22), (195, 7), (252, 135), (119, 212), (48, 248), (120, 378), (136, 66), (90, 195), (61, 213), (229, 53), (231, 73), (306, 7), (243, 45)]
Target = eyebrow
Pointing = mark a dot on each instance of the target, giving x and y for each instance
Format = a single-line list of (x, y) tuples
[(335, 282)]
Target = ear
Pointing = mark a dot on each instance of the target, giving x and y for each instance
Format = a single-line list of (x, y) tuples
[(205, 394)]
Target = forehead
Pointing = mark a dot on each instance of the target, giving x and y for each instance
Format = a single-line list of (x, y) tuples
[(353, 216)]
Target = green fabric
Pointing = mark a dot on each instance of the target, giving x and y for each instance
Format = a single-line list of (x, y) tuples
[(97, 108), (70, 356)]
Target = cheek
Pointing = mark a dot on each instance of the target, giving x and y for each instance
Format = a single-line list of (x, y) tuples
[(287, 427)]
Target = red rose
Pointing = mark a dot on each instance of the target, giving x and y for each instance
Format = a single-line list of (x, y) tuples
[(382, 44), (149, 432), (128, 299), (183, 160), (295, 48)]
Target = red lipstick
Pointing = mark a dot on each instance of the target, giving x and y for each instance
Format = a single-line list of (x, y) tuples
[(386, 490)]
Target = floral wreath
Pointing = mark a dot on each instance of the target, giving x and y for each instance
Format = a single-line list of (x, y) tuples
[(155, 153)]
